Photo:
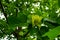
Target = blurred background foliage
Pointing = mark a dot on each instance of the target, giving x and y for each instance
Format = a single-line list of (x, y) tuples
[(18, 16)]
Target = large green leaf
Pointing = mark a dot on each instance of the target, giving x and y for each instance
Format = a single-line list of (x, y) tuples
[(20, 19), (53, 33)]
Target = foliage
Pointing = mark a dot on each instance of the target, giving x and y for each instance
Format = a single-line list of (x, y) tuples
[(30, 19)]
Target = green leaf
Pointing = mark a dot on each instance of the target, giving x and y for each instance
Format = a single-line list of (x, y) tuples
[(21, 33), (53, 33), (20, 19)]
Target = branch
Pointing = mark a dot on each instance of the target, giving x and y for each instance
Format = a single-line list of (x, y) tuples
[(3, 11), (52, 22)]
